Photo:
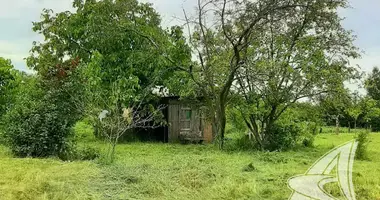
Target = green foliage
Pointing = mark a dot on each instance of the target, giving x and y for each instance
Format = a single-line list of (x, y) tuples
[(235, 122), (334, 104), (307, 114), (297, 126), (375, 124), (372, 84), (331, 129), (86, 153), (37, 131), (352, 110), (126, 105), (124, 52), (282, 136), (371, 114), (298, 55), (17, 88), (122, 46), (362, 149), (84, 131), (41, 119), (308, 141), (131, 49), (239, 142), (6, 79)]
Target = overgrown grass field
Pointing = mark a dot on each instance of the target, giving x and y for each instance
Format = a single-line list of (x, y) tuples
[(174, 171)]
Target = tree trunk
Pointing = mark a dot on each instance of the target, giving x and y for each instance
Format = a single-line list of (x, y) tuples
[(349, 127), (252, 126), (269, 122), (355, 123), (112, 149), (112, 156), (267, 133), (337, 125), (221, 124)]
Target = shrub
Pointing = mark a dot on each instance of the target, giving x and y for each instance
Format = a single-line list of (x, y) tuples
[(313, 128), (375, 124), (88, 153), (308, 132), (282, 136), (285, 135), (362, 149), (308, 141), (84, 131), (236, 121), (37, 131), (80, 153), (41, 120), (295, 127), (240, 143), (2, 135)]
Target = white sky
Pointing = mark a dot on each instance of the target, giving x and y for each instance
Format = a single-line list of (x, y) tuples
[(16, 16)]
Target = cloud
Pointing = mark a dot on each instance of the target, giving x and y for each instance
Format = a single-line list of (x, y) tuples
[(171, 11), (16, 51), (16, 35), (16, 18), (363, 18), (370, 58)]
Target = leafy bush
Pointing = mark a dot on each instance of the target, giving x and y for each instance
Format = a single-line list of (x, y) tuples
[(236, 122), (285, 135), (37, 131), (240, 142), (88, 153), (375, 124), (2, 137), (80, 153), (282, 136), (295, 127), (308, 140), (84, 131), (308, 132), (41, 120), (363, 140), (313, 128)]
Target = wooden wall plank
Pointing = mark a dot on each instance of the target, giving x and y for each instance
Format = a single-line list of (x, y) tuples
[(170, 123), (175, 117)]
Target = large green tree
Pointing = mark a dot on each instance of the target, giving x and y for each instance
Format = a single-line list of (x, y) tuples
[(354, 109), (122, 40), (370, 113), (334, 106), (221, 34), (127, 34), (372, 84), (300, 53)]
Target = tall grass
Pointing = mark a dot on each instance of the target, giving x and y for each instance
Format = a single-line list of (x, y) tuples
[(332, 129), (173, 171)]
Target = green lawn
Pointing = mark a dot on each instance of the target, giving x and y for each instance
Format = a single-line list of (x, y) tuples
[(173, 171)]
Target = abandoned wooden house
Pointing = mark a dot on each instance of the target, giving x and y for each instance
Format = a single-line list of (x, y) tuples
[(186, 121)]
